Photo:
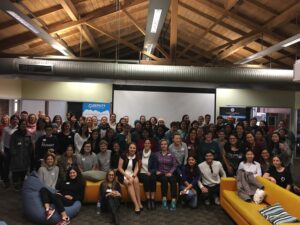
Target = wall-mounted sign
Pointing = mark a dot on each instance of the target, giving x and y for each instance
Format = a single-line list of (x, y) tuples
[(90, 109)]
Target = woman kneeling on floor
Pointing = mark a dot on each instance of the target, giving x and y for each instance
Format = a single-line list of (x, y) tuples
[(110, 196), (68, 192)]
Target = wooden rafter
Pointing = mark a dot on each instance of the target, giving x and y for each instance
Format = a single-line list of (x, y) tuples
[(173, 31), (72, 12), (208, 30), (124, 42), (58, 27), (246, 22), (229, 4)]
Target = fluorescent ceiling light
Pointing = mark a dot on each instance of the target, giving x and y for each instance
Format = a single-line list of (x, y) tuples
[(60, 48), (291, 43), (22, 21), (149, 47), (155, 21)]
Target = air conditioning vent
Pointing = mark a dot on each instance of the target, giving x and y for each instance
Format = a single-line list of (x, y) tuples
[(40, 69)]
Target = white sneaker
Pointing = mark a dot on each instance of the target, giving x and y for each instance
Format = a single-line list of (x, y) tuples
[(217, 201), (207, 202)]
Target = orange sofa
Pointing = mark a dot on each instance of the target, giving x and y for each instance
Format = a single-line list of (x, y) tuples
[(91, 194), (245, 213)]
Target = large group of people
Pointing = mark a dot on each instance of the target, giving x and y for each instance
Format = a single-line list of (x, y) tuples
[(189, 156)]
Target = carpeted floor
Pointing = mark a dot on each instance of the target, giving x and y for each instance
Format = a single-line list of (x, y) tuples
[(11, 213)]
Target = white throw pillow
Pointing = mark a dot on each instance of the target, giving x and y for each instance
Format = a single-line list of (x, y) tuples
[(259, 196)]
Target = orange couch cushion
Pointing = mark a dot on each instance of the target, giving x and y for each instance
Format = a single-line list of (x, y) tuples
[(249, 211), (288, 200)]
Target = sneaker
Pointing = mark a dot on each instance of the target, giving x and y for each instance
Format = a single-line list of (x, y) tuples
[(64, 221), (217, 201), (49, 213), (164, 204), (207, 202), (173, 205)]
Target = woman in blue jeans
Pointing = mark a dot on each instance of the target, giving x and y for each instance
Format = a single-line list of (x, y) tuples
[(189, 182)]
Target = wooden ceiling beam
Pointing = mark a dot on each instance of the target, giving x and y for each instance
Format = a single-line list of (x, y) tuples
[(229, 4), (173, 31), (252, 36), (284, 17), (245, 22), (72, 12), (59, 27), (134, 22), (124, 42), (208, 30)]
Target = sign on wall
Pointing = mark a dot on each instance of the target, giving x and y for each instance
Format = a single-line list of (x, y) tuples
[(90, 109)]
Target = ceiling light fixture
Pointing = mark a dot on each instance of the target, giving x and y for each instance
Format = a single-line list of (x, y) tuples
[(155, 21), (60, 48), (274, 48), (22, 21), (291, 43)]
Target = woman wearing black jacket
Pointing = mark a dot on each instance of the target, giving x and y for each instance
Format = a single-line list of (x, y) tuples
[(68, 192), (148, 165)]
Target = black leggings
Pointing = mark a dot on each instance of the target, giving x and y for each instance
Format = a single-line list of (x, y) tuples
[(58, 200), (164, 185), (148, 181)]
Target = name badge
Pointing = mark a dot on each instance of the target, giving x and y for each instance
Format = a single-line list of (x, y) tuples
[(44, 139), (53, 174), (67, 183), (83, 159), (109, 190), (169, 154), (70, 137), (19, 143)]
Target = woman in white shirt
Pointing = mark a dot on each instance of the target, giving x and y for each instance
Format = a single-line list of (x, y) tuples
[(249, 165), (127, 174), (81, 137), (148, 165)]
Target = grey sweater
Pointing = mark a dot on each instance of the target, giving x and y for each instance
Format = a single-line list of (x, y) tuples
[(48, 175), (180, 153)]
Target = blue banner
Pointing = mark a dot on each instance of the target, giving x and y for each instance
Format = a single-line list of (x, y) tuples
[(97, 109)]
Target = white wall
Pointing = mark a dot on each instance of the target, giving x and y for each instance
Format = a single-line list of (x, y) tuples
[(33, 106), (67, 91), (58, 108)]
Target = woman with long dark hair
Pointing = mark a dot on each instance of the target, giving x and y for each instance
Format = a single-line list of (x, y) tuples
[(128, 169), (81, 137), (65, 137), (148, 166), (68, 192), (87, 160), (252, 144), (189, 182), (232, 155), (279, 174), (110, 196), (249, 165)]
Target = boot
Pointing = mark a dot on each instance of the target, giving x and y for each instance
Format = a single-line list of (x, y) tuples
[(148, 204), (153, 204)]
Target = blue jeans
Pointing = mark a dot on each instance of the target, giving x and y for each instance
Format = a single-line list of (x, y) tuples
[(191, 198)]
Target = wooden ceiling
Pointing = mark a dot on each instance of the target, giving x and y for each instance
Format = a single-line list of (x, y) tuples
[(195, 32)]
